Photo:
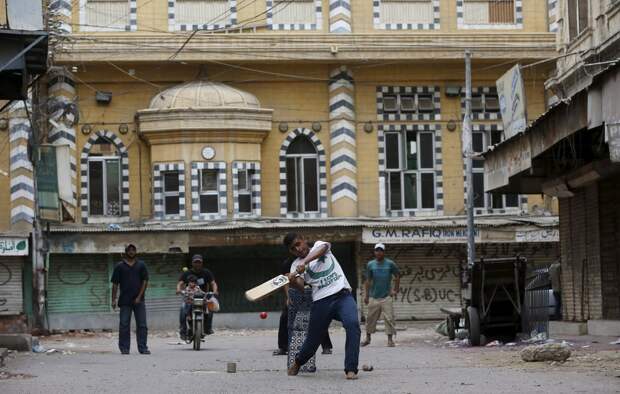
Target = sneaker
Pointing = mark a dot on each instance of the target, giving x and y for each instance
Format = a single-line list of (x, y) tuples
[(124, 351), (280, 352), (294, 369), (351, 375), (327, 351), (210, 332), (391, 344), (147, 351), (365, 343)]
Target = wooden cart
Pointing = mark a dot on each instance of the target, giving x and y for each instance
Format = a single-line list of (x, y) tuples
[(492, 299)]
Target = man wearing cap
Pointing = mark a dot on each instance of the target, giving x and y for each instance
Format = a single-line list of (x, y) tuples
[(132, 277), (379, 292), (206, 281)]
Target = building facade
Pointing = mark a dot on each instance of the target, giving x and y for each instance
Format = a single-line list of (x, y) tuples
[(216, 126), (585, 115)]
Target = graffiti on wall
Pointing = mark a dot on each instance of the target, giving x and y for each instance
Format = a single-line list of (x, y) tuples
[(5, 278)]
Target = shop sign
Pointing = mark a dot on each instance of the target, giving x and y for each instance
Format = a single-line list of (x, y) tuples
[(544, 235), (10, 246), (407, 235)]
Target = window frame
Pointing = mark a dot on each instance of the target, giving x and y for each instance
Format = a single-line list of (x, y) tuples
[(316, 24), (165, 194), (433, 24), (577, 16), (300, 186), (230, 21), (516, 24), (419, 171), (103, 160), (131, 21), (202, 192), (247, 191)]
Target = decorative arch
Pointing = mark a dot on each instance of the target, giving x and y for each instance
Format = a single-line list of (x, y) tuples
[(84, 172), (322, 175)]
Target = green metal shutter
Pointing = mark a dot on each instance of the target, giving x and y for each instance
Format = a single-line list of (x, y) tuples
[(79, 283), (11, 296), (164, 271)]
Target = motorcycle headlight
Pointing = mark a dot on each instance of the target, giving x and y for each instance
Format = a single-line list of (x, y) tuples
[(198, 301)]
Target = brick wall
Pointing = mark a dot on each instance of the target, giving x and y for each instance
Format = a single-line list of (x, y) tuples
[(14, 324)]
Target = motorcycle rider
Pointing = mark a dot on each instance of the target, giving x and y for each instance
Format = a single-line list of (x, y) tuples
[(206, 282), (190, 292)]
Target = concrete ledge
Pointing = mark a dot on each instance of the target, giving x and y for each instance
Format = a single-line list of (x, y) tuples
[(558, 328), (21, 342), (610, 328)]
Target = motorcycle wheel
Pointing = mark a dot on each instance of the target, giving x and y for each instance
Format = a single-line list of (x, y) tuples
[(197, 332)]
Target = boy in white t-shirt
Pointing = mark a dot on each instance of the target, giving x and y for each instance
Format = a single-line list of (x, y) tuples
[(331, 299)]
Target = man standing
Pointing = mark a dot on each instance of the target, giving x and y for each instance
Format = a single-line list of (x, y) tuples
[(379, 273), (132, 277), (207, 283), (555, 271), (331, 299)]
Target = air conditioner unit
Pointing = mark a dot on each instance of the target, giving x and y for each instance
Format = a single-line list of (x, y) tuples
[(407, 103), (491, 103), (425, 103), (476, 103), (390, 104)]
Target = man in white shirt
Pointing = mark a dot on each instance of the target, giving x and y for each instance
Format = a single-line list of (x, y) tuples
[(331, 299)]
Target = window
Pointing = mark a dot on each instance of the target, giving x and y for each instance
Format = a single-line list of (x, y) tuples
[(480, 143), (245, 191), (410, 167), (209, 194), (104, 179), (489, 12), (104, 15), (302, 180), (484, 103), (293, 12), (405, 12), (202, 12), (171, 192), (409, 103), (577, 17)]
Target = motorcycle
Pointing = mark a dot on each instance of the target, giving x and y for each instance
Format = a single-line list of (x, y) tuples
[(202, 305)]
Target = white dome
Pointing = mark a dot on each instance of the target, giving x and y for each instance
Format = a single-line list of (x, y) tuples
[(203, 94)]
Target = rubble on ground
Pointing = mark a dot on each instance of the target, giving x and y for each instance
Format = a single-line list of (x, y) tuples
[(546, 352)]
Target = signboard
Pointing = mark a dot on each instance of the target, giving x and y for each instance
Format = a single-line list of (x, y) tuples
[(511, 92), (408, 235), (505, 161), (544, 235), (13, 246)]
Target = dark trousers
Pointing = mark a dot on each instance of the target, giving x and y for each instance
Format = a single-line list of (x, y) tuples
[(342, 307), (558, 305), (139, 312), (326, 343), (186, 309)]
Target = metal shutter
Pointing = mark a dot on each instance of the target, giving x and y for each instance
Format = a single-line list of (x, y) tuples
[(11, 297), (164, 271), (78, 283)]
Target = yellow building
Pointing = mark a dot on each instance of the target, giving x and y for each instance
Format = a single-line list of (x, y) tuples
[(216, 126)]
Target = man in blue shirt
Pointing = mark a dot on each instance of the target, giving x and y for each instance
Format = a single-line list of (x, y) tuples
[(132, 277), (379, 292)]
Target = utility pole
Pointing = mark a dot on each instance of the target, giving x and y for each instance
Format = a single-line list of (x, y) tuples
[(467, 154)]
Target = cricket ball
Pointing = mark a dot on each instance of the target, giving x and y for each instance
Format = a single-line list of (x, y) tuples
[(263, 315)]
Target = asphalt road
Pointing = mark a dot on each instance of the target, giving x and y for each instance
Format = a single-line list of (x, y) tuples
[(421, 363)]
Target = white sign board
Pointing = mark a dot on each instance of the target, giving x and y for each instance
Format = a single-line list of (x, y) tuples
[(544, 235), (13, 246), (408, 235), (511, 92)]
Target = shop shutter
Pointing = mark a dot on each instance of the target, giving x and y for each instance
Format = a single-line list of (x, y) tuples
[(431, 273), (164, 271), (11, 296), (79, 283), (609, 195)]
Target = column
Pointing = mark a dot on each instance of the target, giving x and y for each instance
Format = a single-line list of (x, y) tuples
[(343, 164), (340, 16), (21, 171)]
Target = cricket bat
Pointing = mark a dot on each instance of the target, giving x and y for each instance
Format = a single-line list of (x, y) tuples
[(272, 285)]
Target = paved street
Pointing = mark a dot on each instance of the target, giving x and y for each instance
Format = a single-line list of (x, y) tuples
[(421, 362)]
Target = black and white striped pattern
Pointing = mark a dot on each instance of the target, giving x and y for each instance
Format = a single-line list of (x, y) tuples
[(322, 175), (460, 18), (84, 173), (21, 169), (132, 22), (222, 187), (439, 194), (317, 25), (408, 90), (431, 25), (173, 26), (255, 188), (60, 15), (340, 16), (488, 129), (62, 94), (159, 211), (480, 115), (553, 15)]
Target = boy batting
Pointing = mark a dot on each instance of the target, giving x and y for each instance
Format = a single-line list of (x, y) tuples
[(331, 299)]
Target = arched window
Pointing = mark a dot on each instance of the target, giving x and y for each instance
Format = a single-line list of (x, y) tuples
[(104, 179), (302, 179)]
